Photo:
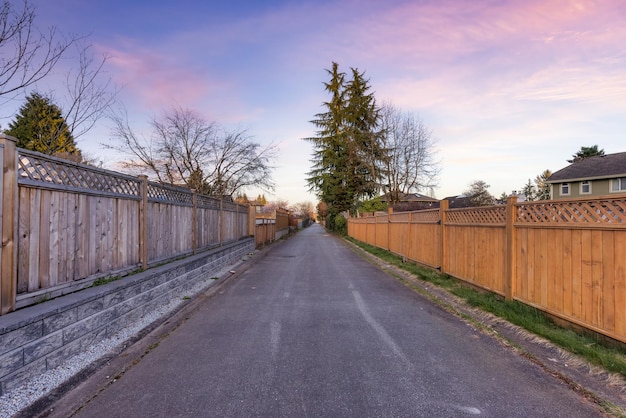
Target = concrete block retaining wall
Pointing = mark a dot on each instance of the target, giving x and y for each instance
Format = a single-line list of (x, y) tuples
[(41, 337)]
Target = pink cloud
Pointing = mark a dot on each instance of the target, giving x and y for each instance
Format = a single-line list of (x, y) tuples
[(157, 79), (424, 35)]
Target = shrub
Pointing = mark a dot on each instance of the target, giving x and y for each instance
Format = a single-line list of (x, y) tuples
[(341, 224)]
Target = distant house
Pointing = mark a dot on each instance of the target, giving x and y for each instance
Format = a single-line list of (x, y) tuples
[(594, 176), (521, 197), (459, 201), (412, 201)]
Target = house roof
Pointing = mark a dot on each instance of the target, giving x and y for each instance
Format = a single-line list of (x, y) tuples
[(459, 201), (598, 167), (411, 197)]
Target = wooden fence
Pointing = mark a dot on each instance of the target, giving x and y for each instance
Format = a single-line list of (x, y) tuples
[(271, 226), (265, 232), (65, 225), (567, 258)]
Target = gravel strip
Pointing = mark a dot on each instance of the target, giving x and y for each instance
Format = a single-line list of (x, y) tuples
[(14, 401)]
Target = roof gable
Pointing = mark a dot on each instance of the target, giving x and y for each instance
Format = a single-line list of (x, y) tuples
[(411, 197), (601, 166)]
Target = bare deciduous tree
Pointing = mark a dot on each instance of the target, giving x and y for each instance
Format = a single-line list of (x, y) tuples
[(412, 166), (185, 149), (273, 205), (89, 92), (305, 208), (28, 55)]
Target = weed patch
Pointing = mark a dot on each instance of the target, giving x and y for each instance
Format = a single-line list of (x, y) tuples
[(104, 280)]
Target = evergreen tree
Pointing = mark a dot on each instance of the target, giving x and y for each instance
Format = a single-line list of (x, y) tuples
[(543, 188), (529, 191), (365, 139), (586, 152), (479, 195), (373, 205), (329, 152), (40, 126), (347, 147)]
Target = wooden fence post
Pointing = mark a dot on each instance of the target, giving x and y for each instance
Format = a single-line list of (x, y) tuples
[(443, 208), (219, 221), (8, 213), (375, 228), (237, 232), (252, 221), (408, 242), (143, 221), (194, 221), (389, 213), (509, 257)]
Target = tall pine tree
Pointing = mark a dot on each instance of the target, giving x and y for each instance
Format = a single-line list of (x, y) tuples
[(40, 126), (365, 138), (347, 151)]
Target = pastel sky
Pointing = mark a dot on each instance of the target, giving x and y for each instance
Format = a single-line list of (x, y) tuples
[(509, 88)]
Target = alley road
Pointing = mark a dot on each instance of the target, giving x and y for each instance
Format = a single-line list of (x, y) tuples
[(313, 330)]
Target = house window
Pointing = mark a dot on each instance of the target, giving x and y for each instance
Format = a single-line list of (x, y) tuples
[(618, 185), (564, 189), (585, 187)]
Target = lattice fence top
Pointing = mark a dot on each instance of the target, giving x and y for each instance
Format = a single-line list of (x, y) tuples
[(425, 216), (42, 170), (207, 202), (235, 207), (169, 194), (588, 212), (492, 215)]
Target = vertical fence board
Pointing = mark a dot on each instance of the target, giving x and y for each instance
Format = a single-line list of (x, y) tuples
[(596, 277), (534, 265), (552, 248), (34, 238), (619, 260), (608, 280), (521, 281), (72, 236), (566, 275), (577, 271), (54, 239), (83, 228), (94, 242), (62, 241), (586, 278), (23, 251), (44, 240), (541, 289), (121, 233)]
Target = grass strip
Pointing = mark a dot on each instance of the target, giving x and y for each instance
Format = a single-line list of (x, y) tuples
[(592, 348)]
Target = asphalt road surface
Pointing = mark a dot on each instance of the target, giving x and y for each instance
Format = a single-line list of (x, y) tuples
[(313, 330)]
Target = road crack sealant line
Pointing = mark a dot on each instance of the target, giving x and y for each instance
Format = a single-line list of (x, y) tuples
[(520, 341)]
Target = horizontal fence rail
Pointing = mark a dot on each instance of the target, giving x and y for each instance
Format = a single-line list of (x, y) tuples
[(65, 225), (567, 258)]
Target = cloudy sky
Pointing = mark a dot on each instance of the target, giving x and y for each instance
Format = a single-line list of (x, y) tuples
[(509, 88)]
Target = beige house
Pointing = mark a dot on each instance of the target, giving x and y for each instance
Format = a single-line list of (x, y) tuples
[(603, 175)]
